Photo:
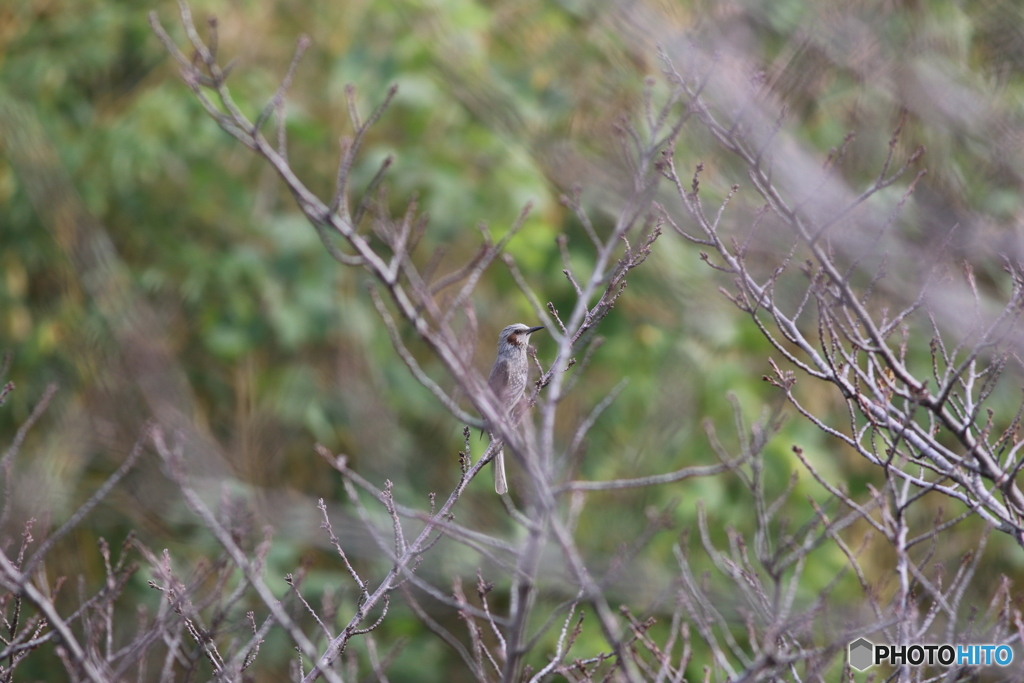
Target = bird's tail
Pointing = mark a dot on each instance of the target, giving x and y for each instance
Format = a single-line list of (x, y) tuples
[(500, 485)]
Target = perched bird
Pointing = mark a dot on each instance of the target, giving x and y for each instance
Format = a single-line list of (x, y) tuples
[(508, 382)]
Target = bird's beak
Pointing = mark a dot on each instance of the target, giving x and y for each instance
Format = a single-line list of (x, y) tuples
[(534, 329)]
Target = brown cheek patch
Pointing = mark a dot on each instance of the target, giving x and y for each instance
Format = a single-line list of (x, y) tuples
[(513, 339)]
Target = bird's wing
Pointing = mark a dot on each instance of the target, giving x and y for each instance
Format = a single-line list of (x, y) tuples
[(498, 381)]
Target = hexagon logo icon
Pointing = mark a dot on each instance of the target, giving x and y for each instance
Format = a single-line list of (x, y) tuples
[(861, 654)]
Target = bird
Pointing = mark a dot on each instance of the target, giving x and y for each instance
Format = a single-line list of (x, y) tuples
[(508, 382)]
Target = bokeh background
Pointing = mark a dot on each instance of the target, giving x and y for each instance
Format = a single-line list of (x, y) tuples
[(272, 347)]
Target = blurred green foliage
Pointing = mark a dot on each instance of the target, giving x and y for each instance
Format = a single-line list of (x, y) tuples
[(499, 104)]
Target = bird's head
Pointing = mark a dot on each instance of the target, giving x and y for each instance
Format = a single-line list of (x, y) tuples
[(517, 335)]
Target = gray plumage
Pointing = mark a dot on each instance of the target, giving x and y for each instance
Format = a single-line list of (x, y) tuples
[(508, 382)]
